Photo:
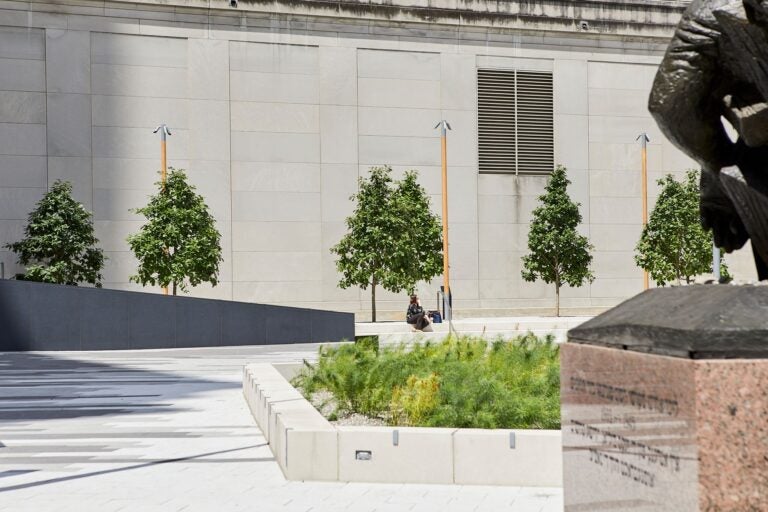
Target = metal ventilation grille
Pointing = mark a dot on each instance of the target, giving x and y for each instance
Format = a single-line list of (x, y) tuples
[(515, 121), (535, 130), (496, 120)]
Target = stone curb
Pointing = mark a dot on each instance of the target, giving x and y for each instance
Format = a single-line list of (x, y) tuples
[(308, 447)]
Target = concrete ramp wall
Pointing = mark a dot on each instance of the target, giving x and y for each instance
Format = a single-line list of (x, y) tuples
[(37, 316)]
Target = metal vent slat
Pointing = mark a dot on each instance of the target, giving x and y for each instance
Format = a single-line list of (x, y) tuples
[(535, 123), (496, 115)]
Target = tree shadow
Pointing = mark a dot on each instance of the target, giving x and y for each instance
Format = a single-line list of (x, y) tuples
[(64, 416), (202, 457), (35, 386)]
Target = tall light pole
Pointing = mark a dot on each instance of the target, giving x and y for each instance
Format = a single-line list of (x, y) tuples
[(444, 127), (644, 140), (164, 133)]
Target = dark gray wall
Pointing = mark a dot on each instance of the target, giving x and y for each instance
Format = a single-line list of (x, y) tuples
[(36, 316)]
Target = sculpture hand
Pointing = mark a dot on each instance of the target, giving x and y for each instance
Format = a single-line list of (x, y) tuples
[(728, 230), (719, 214)]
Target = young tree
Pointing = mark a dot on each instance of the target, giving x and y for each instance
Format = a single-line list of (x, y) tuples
[(394, 240), (180, 242), (59, 245), (674, 246), (558, 253), (421, 233)]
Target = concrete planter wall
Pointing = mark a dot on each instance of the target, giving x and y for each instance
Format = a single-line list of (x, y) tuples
[(36, 316), (308, 447)]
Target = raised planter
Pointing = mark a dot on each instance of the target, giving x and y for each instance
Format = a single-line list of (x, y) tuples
[(308, 447)]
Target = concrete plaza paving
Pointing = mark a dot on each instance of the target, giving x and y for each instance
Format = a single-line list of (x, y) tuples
[(168, 430)]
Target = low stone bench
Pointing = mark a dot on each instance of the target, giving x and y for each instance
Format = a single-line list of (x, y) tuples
[(303, 442), (308, 447)]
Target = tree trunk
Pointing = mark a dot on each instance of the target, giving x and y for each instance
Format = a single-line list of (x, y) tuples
[(174, 287), (373, 301), (557, 287), (679, 258)]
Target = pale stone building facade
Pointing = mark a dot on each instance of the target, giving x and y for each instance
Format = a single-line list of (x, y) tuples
[(278, 107)]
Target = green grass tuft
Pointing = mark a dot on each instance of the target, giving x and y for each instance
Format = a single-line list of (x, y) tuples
[(461, 382)]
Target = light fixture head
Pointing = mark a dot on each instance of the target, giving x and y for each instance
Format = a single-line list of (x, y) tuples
[(164, 128)]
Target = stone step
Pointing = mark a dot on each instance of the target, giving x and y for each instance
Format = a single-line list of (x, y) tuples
[(413, 337), (477, 325), (489, 328)]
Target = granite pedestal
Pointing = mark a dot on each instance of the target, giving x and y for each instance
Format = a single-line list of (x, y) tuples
[(665, 403)]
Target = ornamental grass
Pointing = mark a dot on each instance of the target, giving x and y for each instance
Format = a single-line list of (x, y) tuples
[(460, 382)]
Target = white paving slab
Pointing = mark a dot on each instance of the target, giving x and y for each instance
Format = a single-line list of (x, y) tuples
[(169, 430)]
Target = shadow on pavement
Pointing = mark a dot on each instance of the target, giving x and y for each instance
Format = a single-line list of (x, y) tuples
[(188, 458), (35, 386)]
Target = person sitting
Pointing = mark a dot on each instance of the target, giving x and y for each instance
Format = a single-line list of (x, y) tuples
[(416, 315)]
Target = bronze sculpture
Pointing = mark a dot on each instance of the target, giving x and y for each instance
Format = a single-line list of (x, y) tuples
[(717, 65)]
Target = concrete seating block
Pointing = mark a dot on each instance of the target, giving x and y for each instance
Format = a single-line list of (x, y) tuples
[(508, 457), (312, 455), (389, 454)]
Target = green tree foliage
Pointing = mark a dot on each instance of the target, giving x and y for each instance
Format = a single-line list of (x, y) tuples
[(461, 382), (674, 246), (393, 239), (421, 235), (558, 253), (180, 242), (59, 245)]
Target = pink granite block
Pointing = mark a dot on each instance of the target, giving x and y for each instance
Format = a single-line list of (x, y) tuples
[(732, 414), (650, 433)]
